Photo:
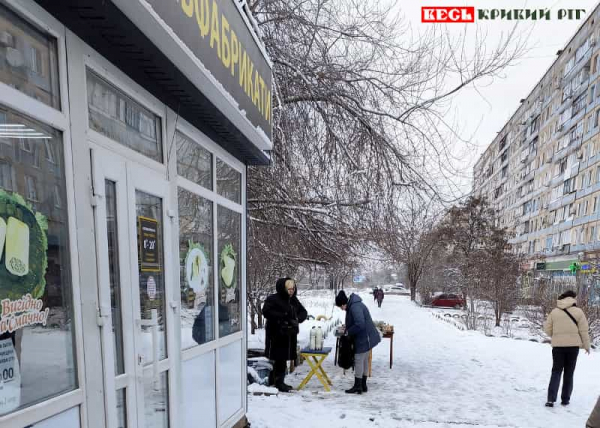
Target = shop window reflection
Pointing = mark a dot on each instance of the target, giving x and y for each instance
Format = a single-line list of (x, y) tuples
[(28, 59), (195, 267), (36, 326), (229, 182), (230, 256)]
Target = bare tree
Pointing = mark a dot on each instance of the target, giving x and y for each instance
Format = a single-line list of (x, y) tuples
[(407, 234), (264, 267), (359, 107), (464, 232), (499, 271)]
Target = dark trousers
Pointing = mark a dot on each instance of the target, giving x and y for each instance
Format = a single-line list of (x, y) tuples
[(379, 303), (562, 359), (279, 368)]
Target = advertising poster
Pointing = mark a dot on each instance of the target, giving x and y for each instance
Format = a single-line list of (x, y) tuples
[(228, 271), (197, 273), (23, 264)]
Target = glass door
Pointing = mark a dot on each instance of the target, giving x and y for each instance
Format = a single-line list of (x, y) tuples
[(133, 315)]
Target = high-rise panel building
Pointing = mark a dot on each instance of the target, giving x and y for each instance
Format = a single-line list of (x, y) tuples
[(542, 171)]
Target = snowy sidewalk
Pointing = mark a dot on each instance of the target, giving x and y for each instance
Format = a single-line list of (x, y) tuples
[(442, 377)]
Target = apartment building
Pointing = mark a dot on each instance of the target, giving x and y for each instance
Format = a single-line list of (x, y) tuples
[(542, 171)]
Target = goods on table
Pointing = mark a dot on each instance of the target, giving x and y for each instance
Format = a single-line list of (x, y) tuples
[(384, 328)]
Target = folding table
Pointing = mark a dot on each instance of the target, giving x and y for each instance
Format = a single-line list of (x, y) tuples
[(315, 360)]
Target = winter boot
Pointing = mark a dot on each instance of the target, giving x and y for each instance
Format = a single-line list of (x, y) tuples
[(357, 388), (364, 384), (280, 384)]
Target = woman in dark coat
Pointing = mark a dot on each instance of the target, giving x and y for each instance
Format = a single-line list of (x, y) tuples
[(361, 328), (283, 312)]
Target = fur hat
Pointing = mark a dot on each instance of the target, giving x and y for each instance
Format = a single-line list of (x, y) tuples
[(341, 299)]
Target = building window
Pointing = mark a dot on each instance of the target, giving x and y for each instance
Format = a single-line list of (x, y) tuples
[(57, 198), (31, 188), (229, 228), (563, 166), (569, 186), (229, 182), (29, 59), (35, 282), (118, 117), (194, 162), (49, 152), (6, 179), (35, 60), (196, 269)]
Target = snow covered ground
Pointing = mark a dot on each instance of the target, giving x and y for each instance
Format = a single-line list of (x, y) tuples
[(442, 377)]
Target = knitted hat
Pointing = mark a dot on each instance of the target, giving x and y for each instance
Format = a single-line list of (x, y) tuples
[(341, 299), (568, 293)]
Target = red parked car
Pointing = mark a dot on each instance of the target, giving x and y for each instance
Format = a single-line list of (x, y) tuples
[(448, 301)]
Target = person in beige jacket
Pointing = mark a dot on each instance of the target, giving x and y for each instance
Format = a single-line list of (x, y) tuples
[(568, 327)]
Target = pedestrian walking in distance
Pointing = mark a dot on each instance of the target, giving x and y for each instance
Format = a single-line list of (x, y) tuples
[(375, 293), (568, 327), (380, 297), (360, 327), (283, 312)]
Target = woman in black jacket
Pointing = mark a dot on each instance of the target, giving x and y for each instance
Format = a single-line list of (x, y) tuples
[(283, 312)]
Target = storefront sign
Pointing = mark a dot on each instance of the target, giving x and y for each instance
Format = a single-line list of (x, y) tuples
[(148, 244), (197, 272), (10, 378), (217, 35)]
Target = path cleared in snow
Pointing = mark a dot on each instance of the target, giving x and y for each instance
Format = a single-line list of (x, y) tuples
[(442, 377)]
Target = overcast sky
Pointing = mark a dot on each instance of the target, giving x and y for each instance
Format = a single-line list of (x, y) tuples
[(482, 111)]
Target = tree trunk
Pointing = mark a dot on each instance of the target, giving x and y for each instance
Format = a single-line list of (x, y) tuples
[(259, 313), (413, 292), (498, 314), (252, 316)]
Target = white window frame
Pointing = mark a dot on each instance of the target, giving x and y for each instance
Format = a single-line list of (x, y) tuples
[(104, 69), (60, 120), (193, 134), (83, 57)]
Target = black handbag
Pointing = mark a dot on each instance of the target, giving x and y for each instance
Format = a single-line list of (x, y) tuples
[(346, 353)]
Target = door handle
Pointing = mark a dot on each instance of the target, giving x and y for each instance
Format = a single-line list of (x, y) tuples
[(152, 322)]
